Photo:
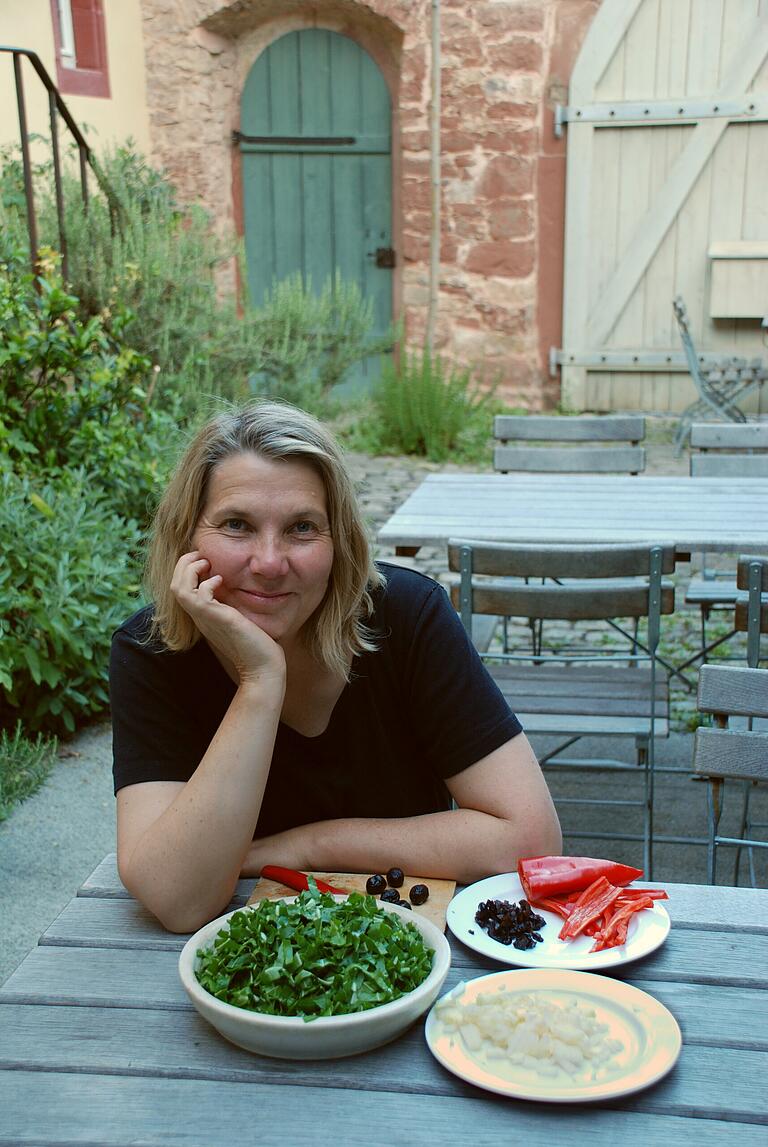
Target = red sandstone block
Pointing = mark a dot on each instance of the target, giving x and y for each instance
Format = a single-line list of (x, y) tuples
[(512, 220), (521, 54), (506, 176), (509, 259), (522, 17)]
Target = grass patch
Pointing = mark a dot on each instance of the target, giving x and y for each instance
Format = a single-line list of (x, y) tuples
[(24, 766)]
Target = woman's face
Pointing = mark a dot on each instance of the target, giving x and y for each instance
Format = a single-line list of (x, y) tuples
[(264, 528)]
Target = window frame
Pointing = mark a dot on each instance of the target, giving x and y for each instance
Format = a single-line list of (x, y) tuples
[(70, 79)]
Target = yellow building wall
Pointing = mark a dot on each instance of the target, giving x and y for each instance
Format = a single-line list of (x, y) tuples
[(103, 122)]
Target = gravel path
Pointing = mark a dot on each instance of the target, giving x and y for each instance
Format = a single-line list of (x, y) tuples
[(51, 843)]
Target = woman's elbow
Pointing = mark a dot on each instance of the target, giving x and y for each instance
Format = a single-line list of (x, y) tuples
[(169, 910)]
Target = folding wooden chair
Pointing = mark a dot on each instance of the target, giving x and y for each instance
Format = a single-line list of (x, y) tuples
[(726, 753), (555, 444), (573, 694), (566, 457), (720, 389)]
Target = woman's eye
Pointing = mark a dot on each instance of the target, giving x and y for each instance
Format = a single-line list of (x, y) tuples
[(305, 528), (235, 524)]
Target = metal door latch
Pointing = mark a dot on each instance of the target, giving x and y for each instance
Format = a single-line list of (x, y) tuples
[(384, 256)]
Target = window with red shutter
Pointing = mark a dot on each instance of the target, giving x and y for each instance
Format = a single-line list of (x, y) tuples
[(81, 47)]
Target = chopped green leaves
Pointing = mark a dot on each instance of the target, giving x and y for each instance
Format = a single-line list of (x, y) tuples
[(314, 957)]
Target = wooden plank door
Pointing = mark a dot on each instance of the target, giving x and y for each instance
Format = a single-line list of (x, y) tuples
[(667, 161), (316, 169)]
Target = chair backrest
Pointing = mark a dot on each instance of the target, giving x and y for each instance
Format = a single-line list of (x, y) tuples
[(681, 314), (566, 430), (726, 692), (751, 613), (746, 441), (556, 598)]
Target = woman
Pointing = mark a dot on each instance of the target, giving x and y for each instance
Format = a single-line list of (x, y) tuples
[(286, 701)]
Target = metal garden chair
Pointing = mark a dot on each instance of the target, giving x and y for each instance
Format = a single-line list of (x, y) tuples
[(564, 457), (572, 694), (722, 450), (720, 389), (727, 753)]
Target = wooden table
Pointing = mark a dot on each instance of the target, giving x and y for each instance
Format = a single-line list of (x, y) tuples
[(694, 514), (98, 1044)]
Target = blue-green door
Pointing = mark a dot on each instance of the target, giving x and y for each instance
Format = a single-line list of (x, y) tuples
[(315, 139)]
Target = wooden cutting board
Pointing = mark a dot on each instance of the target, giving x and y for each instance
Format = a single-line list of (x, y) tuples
[(440, 891)]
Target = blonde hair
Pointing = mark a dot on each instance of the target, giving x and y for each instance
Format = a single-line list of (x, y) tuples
[(274, 430)]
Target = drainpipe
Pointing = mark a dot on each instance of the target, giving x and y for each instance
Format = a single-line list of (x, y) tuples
[(434, 175)]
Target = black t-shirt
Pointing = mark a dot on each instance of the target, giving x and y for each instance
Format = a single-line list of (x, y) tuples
[(419, 709)]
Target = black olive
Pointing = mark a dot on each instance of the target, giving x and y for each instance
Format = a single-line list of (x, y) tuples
[(390, 895), (404, 904), (418, 894), (395, 877), (375, 884)]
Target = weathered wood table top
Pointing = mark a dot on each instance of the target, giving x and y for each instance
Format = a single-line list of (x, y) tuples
[(694, 514), (99, 1044)]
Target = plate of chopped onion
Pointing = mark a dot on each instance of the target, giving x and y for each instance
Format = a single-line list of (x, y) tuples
[(554, 1036), (502, 918)]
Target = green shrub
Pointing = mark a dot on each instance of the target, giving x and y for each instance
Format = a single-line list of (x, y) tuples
[(141, 251), (68, 577), (424, 407), (72, 393), (307, 342), (24, 766)]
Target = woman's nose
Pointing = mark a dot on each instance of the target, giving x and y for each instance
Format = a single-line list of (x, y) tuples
[(268, 558)]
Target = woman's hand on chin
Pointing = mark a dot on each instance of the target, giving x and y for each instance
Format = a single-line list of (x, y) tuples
[(236, 640)]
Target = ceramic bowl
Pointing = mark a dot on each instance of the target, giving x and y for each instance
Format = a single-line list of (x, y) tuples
[(327, 1037)]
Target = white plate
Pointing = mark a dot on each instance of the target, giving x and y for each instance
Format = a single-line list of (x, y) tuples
[(649, 1034), (647, 930)]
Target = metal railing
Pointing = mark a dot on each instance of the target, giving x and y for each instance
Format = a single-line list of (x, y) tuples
[(56, 108)]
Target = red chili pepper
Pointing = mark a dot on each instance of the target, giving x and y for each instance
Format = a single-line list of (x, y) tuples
[(298, 880), (594, 901), (550, 875)]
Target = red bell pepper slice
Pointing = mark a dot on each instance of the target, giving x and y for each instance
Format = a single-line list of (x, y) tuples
[(553, 875), (594, 901)]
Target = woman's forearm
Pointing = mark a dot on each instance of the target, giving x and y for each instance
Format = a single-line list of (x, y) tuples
[(184, 863), (463, 845)]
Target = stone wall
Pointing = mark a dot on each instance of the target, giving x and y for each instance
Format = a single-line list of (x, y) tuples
[(505, 63)]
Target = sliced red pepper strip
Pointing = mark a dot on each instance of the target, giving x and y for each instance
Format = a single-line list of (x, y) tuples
[(553, 875), (552, 904), (636, 893), (595, 900), (620, 920)]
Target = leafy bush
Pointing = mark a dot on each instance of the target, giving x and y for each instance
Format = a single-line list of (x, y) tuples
[(307, 342), (67, 580), (424, 407), (72, 393), (24, 766), (140, 250)]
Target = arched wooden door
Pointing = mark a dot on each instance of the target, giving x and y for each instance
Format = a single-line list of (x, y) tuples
[(315, 139)]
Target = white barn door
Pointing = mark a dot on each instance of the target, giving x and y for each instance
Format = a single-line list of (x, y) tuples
[(667, 174)]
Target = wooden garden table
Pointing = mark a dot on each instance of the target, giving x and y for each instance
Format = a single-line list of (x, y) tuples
[(99, 1044), (693, 514)]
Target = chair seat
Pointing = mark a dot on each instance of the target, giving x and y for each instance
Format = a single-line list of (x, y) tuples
[(605, 701), (711, 591)]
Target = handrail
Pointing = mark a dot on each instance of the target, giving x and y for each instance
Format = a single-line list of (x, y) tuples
[(55, 105)]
